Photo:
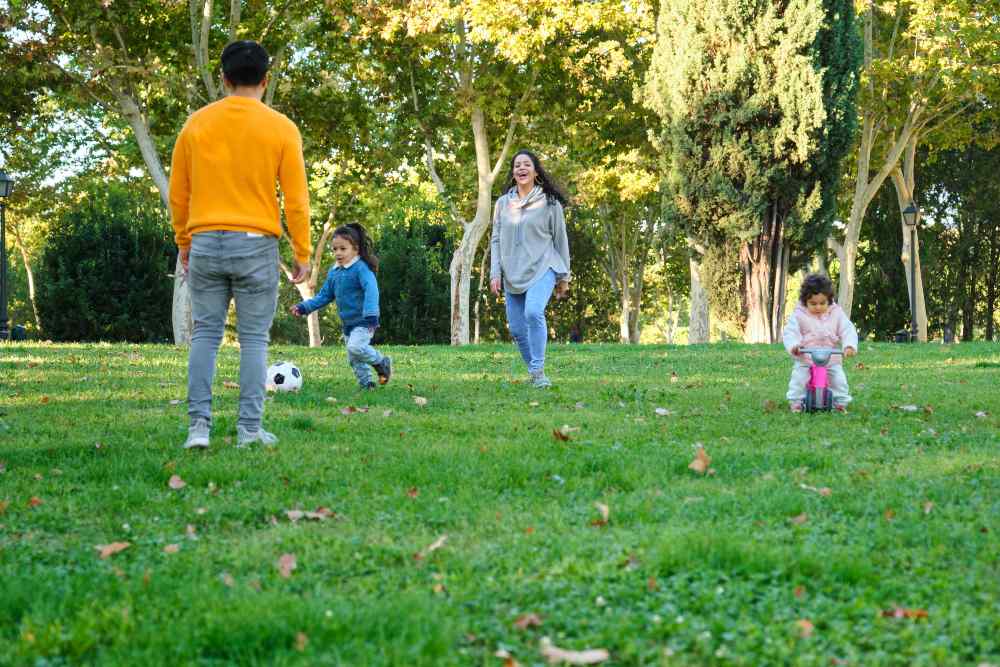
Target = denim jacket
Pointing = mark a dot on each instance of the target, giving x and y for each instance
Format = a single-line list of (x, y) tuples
[(355, 290)]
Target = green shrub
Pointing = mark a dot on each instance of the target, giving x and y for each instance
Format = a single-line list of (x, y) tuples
[(105, 270)]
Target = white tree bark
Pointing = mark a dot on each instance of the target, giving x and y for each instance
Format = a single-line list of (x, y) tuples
[(904, 181), (698, 325), (26, 260)]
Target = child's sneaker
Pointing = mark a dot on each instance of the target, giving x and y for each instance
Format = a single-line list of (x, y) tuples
[(840, 408), (197, 434), (246, 437), (384, 370), (796, 406)]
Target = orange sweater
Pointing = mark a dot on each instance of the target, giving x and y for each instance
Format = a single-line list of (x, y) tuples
[(222, 177)]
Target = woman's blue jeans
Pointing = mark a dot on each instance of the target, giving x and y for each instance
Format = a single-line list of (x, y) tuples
[(526, 319)]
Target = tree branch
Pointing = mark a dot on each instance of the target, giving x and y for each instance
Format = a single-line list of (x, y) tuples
[(514, 118), (279, 14), (199, 42), (429, 153), (235, 8), (278, 61)]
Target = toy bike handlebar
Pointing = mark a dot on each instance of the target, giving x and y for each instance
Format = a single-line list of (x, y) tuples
[(820, 355)]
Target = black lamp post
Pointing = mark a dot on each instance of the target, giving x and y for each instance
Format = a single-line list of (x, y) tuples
[(911, 216)]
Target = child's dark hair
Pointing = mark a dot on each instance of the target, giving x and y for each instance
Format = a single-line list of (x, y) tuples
[(245, 63), (816, 283), (359, 238)]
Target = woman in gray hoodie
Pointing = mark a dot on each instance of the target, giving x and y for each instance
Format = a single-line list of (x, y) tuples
[(529, 256)]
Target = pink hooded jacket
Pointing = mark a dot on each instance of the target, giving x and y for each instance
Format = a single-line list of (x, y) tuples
[(831, 329)]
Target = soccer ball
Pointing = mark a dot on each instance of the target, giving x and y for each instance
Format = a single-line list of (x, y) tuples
[(284, 376)]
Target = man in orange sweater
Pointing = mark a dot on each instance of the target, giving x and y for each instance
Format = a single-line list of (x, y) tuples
[(224, 205)]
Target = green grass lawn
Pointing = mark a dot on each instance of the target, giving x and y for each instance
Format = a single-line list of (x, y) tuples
[(898, 563)]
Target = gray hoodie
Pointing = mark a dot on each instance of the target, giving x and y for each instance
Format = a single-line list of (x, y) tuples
[(529, 238)]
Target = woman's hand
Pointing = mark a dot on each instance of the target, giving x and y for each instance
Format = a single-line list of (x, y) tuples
[(562, 289), (495, 286), (795, 350), (294, 310)]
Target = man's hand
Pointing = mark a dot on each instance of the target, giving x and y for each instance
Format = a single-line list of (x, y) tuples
[(495, 286), (562, 289), (796, 350), (300, 273), (185, 255), (849, 351), (294, 310)]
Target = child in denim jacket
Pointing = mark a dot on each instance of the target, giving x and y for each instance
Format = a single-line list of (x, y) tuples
[(351, 283)]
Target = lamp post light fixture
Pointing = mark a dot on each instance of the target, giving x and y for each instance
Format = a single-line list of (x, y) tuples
[(911, 216), (6, 186)]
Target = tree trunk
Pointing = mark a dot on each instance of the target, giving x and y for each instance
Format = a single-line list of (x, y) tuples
[(867, 186), (991, 282), (764, 262), (480, 294), (30, 274), (638, 275), (698, 325), (904, 181), (472, 234)]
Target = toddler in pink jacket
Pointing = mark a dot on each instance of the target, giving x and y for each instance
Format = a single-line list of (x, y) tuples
[(818, 322)]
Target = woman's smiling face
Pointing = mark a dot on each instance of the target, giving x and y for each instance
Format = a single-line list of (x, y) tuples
[(524, 170)]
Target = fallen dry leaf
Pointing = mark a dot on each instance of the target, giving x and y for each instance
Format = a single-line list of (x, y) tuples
[(229, 384), (34, 501), (43, 399), (331, 399), (555, 655), (579, 405), (108, 550), (4, 504), (176, 482), (823, 491), (605, 513), (525, 621), (191, 532), (387, 413), (434, 546), (286, 564), (799, 591), (799, 519), (350, 410), (929, 409), (889, 514), (171, 548), (928, 506), (903, 612), (508, 659), (227, 579), (413, 492), (321, 514), (420, 400), (805, 627), (769, 406), (701, 461), (301, 641)]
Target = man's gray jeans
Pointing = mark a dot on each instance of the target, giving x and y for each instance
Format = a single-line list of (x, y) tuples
[(224, 265)]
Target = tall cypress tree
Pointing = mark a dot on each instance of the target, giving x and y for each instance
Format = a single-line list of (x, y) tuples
[(757, 99)]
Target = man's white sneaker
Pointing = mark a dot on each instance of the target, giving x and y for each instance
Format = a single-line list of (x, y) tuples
[(245, 438), (198, 434)]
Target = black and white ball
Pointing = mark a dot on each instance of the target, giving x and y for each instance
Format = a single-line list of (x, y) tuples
[(284, 376)]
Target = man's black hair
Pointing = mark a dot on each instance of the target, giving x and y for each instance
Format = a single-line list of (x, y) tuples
[(245, 63)]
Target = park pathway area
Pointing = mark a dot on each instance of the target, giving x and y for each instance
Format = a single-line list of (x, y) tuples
[(658, 506)]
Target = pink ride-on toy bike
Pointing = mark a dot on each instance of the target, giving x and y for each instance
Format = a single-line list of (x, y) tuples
[(819, 398)]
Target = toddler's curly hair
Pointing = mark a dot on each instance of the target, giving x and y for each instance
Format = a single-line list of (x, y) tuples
[(816, 283)]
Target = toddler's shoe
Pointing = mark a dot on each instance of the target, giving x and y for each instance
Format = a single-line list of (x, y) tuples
[(840, 408), (246, 437), (795, 406), (384, 370), (197, 434)]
